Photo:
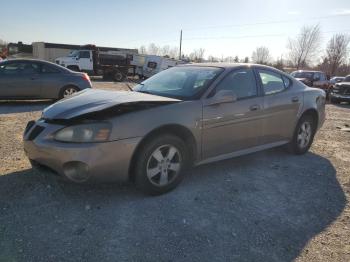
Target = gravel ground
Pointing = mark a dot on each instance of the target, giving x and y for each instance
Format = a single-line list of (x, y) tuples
[(268, 206)]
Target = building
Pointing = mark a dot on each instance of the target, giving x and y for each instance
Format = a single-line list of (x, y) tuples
[(50, 51)]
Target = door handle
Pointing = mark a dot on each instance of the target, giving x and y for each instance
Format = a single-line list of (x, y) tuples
[(295, 99), (254, 107)]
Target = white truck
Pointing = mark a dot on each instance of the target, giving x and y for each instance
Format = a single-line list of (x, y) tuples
[(108, 62), (149, 65)]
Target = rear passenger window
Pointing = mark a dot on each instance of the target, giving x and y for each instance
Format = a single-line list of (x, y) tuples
[(272, 82), (46, 69)]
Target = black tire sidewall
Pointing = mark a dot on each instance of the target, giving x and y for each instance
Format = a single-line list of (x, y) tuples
[(141, 180), (118, 79)]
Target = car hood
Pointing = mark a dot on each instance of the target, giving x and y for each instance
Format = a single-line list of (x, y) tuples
[(303, 79), (65, 59), (90, 101), (343, 84)]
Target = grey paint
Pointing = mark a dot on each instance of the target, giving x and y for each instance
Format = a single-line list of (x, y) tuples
[(39, 85), (219, 131)]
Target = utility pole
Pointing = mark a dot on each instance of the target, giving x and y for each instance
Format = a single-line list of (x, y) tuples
[(180, 44)]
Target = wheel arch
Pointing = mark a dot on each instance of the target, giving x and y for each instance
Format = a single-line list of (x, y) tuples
[(313, 113), (173, 129)]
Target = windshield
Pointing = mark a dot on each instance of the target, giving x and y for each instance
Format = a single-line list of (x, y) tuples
[(346, 79), (308, 75), (74, 53), (180, 82)]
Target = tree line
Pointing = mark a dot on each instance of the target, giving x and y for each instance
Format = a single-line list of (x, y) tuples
[(304, 52)]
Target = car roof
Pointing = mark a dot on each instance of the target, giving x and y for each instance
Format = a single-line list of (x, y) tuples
[(37, 61), (309, 71), (228, 65)]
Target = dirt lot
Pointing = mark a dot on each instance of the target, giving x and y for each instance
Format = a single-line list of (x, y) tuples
[(268, 206)]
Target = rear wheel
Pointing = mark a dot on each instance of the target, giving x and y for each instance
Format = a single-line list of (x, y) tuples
[(68, 91), (118, 76), (160, 164), (303, 135)]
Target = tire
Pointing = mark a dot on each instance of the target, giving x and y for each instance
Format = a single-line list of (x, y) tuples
[(156, 172), (68, 91), (302, 140), (118, 76)]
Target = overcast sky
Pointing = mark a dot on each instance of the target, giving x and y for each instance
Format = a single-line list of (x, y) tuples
[(221, 27)]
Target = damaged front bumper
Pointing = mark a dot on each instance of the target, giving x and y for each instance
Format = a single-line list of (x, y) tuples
[(79, 162)]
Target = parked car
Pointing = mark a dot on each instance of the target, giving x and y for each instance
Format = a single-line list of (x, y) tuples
[(341, 91), (188, 114), (336, 79), (312, 78), (36, 79)]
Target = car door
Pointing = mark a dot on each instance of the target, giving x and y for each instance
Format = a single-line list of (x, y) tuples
[(281, 106), (20, 79), (52, 80), (85, 61), (233, 126)]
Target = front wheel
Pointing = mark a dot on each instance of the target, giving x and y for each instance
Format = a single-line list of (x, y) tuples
[(160, 164), (303, 135)]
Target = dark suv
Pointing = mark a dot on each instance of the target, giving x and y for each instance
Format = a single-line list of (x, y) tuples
[(312, 78), (341, 91)]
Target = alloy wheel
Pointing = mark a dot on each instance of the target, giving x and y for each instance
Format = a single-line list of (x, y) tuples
[(304, 135), (164, 165), (69, 91)]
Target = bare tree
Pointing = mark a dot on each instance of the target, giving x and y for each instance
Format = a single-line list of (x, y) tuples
[(197, 55), (261, 55), (174, 52), (304, 48), (336, 53), (153, 49), (164, 51), (236, 59), (142, 50)]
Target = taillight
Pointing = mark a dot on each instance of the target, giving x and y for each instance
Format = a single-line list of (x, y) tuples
[(86, 77)]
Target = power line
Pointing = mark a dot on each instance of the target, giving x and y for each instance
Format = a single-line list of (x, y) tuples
[(254, 36), (266, 23)]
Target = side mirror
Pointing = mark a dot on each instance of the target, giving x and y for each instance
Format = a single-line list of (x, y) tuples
[(223, 96), (77, 58)]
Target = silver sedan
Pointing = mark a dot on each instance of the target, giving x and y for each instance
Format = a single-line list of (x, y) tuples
[(37, 79), (183, 116)]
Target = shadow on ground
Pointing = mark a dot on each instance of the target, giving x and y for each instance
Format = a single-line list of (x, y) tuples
[(11, 107), (261, 207)]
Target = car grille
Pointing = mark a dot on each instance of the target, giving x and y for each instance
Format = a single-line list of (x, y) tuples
[(35, 132)]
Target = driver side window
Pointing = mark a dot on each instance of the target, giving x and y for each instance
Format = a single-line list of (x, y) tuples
[(241, 82)]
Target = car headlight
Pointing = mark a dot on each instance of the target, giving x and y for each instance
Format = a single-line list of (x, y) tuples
[(84, 133)]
